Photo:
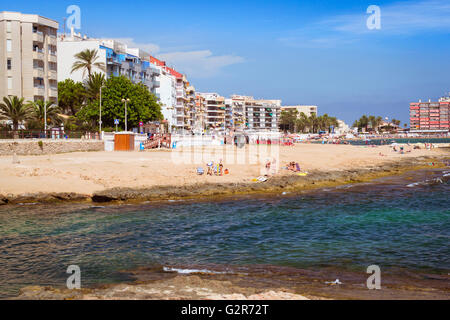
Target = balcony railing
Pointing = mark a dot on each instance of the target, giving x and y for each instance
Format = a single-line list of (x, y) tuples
[(39, 90), (38, 72), (38, 36)]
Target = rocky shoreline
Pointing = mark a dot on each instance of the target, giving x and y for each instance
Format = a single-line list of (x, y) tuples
[(205, 286), (199, 191)]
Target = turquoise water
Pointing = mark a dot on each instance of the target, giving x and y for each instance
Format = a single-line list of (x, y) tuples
[(395, 226)]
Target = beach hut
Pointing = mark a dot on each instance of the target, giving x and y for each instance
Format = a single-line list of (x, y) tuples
[(124, 141)]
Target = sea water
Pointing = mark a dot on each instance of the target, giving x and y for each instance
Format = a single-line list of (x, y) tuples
[(401, 224)]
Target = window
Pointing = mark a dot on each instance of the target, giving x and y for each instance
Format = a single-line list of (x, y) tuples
[(8, 45), (8, 63), (9, 82), (8, 26)]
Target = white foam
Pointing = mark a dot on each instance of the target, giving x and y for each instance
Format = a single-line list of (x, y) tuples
[(413, 184), (189, 271)]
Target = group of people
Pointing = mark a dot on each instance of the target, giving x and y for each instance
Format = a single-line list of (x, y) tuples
[(213, 169)]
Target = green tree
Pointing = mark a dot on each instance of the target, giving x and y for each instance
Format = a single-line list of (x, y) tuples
[(71, 96), (143, 105), (363, 122), (302, 122), (93, 85), (15, 110), (40, 108), (313, 123), (288, 119), (87, 61)]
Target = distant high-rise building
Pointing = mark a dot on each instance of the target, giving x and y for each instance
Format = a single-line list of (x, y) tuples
[(28, 52), (431, 117)]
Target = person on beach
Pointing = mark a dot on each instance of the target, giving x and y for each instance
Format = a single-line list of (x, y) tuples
[(268, 167)]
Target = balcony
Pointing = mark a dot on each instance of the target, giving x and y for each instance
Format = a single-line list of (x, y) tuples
[(38, 72), (113, 60), (38, 36), (52, 57), (156, 83), (39, 90), (38, 54), (52, 40), (53, 92), (52, 75)]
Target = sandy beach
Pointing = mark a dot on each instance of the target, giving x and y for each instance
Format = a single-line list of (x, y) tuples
[(84, 174)]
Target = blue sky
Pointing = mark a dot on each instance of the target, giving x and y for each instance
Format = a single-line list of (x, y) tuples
[(302, 52)]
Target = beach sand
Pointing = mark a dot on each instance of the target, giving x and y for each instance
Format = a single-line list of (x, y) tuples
[(87, 173)]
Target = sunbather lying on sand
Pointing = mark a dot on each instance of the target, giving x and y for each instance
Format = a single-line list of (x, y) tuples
[(294, 166)]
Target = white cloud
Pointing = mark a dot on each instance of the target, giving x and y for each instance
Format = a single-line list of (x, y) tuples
[(406, 18), (200, 64), (400, 18), (151, 48)]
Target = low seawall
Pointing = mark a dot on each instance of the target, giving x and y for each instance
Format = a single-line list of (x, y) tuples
[(48, 146)]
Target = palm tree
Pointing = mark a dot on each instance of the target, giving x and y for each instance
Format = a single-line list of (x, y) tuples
[(372, 122), (287, 120), (302, 122), (378, 121), (15, 110), (93, 85), (313, 122), (87, 61), (333, 121), (40, 108)]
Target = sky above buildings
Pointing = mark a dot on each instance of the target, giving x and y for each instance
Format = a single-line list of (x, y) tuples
[(302, 52)]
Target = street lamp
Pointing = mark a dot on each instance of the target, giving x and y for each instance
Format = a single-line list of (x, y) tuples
[(126, 100)]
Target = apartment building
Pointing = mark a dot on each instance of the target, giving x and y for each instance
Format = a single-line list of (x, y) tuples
[(191, 109), (200, 115), (307, 110), (167, 90), (238, 111), (181, 114), (431, 117), (214, 107), (28, 52), (118, 59), (262, 115), (255, 114)]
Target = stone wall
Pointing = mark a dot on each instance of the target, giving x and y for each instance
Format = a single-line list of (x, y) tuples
[(48, 146)]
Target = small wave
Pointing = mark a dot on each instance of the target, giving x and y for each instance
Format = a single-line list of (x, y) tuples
[(190, 271), (428, 182), (411, 185)]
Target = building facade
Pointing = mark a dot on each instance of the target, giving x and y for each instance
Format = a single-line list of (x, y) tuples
[(307, 110), (119, 60), (262, 115), (214, 109), (28, 52), (430, 117)]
